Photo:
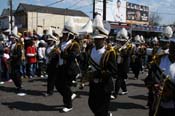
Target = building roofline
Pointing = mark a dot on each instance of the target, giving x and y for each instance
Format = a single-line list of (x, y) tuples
[(51, 10)]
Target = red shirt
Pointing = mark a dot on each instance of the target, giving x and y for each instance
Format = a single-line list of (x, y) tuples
[(31, 54)]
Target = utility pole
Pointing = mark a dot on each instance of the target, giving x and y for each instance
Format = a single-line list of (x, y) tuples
[(104, 9), (11, 15), (93, 9)]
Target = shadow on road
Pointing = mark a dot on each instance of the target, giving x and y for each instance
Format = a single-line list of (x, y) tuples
[(136, 84), (116, 105), (37, 80), (28, 92), (83, 93), (25, 106), (141, 97)]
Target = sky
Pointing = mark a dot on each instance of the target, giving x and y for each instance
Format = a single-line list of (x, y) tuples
[(164, 8)]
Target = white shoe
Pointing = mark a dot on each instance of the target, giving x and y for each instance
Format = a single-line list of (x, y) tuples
[(81, 86), (42, 76), (67, 109), (124, 93), (21, 94), (73, 96), (1, 83), (113, 97), (46, 76), (110, 114)]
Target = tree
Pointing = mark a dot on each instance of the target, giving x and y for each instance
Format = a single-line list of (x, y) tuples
[(154, 19)]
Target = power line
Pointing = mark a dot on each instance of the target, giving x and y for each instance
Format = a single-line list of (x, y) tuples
[(54, 3), (75, 4), (84, 6)]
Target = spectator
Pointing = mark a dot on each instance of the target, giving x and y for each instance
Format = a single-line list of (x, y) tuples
[(1, 55), (5, 64), (31, 54)]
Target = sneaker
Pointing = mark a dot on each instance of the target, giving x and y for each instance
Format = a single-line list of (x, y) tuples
[(1, 83), (67, 109), (124, 93), (42, 76), (81, 86), (21, 94), (46, 76), (113, 97), (110, 114), (73, 96)]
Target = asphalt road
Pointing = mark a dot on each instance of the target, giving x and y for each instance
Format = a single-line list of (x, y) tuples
[(35, 104)]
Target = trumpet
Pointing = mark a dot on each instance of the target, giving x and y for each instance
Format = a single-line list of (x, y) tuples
[(125, 45), (166, 93)]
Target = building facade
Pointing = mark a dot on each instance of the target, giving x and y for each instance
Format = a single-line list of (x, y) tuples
[(33, 17)]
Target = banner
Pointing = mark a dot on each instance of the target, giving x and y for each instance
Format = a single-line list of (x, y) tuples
[(122, 11), (137, 12), (116, 11)]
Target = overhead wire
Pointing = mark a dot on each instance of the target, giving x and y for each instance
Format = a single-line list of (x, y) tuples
[(76, 3)]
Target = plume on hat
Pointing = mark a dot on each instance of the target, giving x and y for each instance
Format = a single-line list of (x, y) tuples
[(87, 28), (142, 39), (98, 25), (122, 35), (51, 36), (137, 39), (69, 26), (168, 32), (155, 40), (15, 32)]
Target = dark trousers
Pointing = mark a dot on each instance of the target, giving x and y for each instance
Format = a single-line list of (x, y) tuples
[(41, 67), (99, 99), (0, 69), (63, 86), (150, 101), (51, 79), (16, 75), (120, 83), (66, 92), (136, 68)]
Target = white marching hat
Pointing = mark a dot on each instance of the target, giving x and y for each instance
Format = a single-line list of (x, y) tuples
[(101, 29), (69, 27), (14, 33), (168, 32), (137, 39), (155, 40), (51, 37), (122, 35), (142, 39)]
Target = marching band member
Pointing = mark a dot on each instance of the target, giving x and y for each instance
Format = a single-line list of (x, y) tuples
[(103, 64), (15, 62), (52, 57), (166, 102), (136, 58), (159, 69), (123, 64), (67, 66)]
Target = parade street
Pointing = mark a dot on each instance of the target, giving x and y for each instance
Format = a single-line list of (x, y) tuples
[(36, 104)]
